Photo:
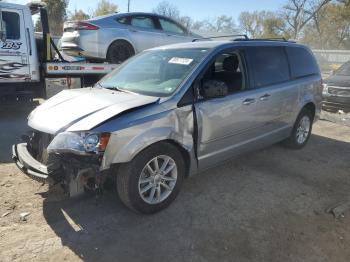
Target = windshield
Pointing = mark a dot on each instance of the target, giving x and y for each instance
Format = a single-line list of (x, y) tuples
[(154, 73), (344, 70)]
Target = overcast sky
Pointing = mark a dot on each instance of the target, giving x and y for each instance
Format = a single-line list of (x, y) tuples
[(197, 9)]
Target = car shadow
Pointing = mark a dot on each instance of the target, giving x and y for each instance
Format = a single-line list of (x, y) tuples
[(244, 209), (13, 124)]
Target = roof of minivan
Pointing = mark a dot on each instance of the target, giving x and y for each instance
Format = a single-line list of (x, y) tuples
[(216, 43)]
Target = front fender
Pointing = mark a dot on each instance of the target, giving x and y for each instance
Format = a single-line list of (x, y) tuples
[(124, 145)]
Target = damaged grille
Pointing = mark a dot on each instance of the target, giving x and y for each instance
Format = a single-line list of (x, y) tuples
[(339, 91), (37, 145)]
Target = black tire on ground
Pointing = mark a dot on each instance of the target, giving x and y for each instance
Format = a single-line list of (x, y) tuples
[(119, 51), (128, 178), (292, 141)]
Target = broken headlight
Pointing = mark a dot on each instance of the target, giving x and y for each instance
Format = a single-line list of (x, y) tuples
[(79, 143)]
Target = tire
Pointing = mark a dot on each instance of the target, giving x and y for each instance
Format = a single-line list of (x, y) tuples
[(303, 124), (130, 186), (119, 51)]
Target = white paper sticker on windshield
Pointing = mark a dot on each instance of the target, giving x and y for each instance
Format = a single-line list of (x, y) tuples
[(180, 61)]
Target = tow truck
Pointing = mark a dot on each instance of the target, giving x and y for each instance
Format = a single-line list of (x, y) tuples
[(29, 61)]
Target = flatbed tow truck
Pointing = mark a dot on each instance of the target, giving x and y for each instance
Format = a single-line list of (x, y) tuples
[(29, 61)]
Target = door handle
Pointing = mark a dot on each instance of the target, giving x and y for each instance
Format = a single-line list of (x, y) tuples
[(265, 97), (248, 101), (133, 30)]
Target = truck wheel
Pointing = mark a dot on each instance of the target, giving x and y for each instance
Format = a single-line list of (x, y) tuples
[(152, 180), (119, 51), (301, 130)]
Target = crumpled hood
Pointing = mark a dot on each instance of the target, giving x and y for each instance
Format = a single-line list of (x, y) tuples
[(83, 109)]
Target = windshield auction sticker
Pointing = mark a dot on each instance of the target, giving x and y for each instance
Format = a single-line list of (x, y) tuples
[(180, 61)]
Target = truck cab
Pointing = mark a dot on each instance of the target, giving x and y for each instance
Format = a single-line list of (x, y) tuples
[(30, 61), (19, 63)]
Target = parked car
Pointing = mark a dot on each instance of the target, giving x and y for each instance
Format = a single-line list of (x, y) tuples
[(171, 112), (117, 37), (336, 91)]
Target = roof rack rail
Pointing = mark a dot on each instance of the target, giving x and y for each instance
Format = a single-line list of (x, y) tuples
[(265, 39), (223, 36)]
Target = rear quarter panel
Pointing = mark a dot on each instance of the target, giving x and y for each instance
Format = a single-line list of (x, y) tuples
[(310, 90)]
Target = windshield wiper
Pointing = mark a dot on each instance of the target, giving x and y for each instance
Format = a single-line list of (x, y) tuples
[(116, 88)]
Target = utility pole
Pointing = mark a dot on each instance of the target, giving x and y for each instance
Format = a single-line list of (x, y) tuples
[(128, 6)]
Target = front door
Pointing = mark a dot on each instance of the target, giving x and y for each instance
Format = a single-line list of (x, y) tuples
[(143, 32), (173, 33), (14, 57)]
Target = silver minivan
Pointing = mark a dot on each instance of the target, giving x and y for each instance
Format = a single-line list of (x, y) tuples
[(171, 112)]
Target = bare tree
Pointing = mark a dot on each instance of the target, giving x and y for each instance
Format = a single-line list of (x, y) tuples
[(104, 7), (78, 15), (167, 9), (186, 21), (57, 12), (251, 24), (298, 13)]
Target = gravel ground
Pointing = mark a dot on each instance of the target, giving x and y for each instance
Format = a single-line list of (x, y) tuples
[(264, 206)]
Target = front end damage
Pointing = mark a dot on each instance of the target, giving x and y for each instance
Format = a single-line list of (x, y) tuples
[(75, 171)]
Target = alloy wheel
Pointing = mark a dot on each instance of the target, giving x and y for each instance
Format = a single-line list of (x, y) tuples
[(303, 129), (157, 179)]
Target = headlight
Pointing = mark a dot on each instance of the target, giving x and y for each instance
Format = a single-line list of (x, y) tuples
[(91, 142), (79, 143)]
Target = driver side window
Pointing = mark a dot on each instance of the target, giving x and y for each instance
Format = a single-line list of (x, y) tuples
[(227, 69), (11, 21)]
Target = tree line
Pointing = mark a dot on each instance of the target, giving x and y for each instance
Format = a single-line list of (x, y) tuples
[(323, 24)]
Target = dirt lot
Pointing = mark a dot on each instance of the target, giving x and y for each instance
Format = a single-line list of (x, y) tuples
[(265, 206)]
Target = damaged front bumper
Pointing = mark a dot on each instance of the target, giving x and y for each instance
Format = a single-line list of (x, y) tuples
[(74, 173), (28, 164)]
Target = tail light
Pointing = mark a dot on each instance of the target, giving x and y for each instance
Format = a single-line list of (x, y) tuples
[(70, 26), (85, 26)]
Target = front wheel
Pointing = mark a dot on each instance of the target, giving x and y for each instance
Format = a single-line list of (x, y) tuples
[(301, 130), (152, 180)]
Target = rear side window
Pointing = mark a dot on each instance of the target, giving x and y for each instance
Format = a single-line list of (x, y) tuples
[(269, 65), (302, 62), (123, 20), (142, 21), (171, 27), (11, 21)]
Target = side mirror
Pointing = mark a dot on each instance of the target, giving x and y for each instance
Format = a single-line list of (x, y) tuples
[(214, 89), (2, 29)]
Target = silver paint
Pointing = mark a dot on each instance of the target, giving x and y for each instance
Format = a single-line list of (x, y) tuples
[(83, 109), (95, 43), (226, 126)]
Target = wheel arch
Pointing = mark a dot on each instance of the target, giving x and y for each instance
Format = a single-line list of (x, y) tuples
[(126, 152), (311, 107), (121, 39), (184, 152)]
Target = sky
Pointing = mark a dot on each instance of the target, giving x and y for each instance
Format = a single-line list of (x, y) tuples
[(196, 9)]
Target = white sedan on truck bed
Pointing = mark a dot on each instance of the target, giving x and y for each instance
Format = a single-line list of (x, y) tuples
[(117, 37)]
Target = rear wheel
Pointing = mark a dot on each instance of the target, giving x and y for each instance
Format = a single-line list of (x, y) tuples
[(119, 51), (152, 180), (301, 130)]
